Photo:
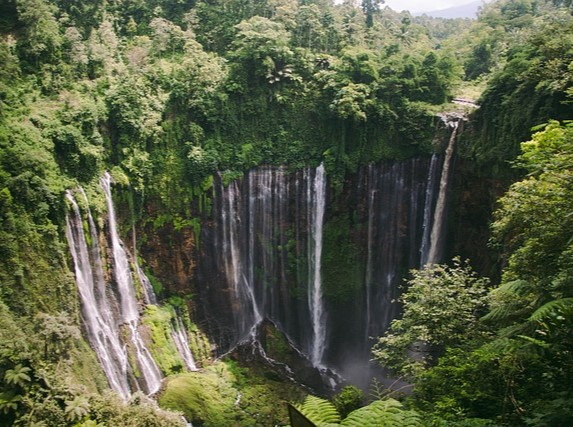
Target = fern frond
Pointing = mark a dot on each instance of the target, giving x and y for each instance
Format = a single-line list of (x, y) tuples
[(320, 411), (517, 287), (515, 329), (383, 413), (502, 346), (562, 306), (502, 312), (534, 341)]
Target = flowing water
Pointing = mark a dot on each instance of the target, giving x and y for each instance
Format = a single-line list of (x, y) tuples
[(262, 257), (98, 320), (150, 374), (437, 235), (316, 202), (181, 341)]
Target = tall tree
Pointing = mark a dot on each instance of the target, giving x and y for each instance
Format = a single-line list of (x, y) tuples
[(370, 7)]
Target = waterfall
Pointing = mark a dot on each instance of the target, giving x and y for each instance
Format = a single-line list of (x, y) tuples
[(259, 253), (391, 200), (178, 334), (101, 322), (428, 203), (182, 343), (150, 373), (237, 269), (102, 333), (371, 194), (436, 237), (316, 201), (148, 292), (266, 259)]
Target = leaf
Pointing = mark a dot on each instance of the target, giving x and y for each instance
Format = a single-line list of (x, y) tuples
[(563, 306), (17, 375), (319, 411), (534, 341), (382, 413)]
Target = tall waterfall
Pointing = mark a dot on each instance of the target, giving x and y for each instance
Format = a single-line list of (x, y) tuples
[(101, 329), (106, 311), (271, 243), (237, 269), (437, 235), (428, 211), (393, 193), (129, 308), (316, 197), (258, 251)]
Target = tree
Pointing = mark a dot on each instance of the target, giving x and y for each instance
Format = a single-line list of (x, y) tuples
[(260, 51), (442, 306), (534, 304), (370, 7), (535, 223), (522, 373), (42, 39), (348, 399)]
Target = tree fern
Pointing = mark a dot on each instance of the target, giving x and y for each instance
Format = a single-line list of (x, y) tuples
[(508, 300), (320, 411), (563, 306), (383, 413)]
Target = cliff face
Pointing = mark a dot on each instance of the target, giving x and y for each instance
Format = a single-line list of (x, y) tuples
[(474, 198), (257, 256), (171, 255)]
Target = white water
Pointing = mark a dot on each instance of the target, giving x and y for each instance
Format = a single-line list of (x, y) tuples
[(370, 247), (100, 321), (148, 292), (150, 373), (182, 343), (427, 221), (434, 253), (97, 318), (234, 268), (316, 198), (122, 272)]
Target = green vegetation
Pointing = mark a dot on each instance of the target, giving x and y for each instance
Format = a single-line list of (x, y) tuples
[(225, 394), (510, 363), (388, 412), (165, 94), (442, 307), (163, 350)]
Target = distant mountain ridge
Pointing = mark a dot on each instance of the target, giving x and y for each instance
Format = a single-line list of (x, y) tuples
[(464, 11)]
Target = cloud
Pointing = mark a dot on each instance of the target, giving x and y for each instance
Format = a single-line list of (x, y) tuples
[(423, 5)]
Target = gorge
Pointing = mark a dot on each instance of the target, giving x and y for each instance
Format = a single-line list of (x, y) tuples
[(238, 211), (268, 251)]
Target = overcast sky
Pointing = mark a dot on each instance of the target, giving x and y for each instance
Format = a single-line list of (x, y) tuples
[(424, 5)]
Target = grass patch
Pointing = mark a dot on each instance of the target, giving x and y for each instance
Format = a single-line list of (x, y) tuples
[(226, 394)]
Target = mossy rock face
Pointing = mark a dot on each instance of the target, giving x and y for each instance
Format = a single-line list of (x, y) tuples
[(225, 394), (157, 320), (205, 398), (341, 271)]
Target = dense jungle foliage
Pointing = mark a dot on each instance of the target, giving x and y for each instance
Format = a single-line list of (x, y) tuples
[(165, 94)]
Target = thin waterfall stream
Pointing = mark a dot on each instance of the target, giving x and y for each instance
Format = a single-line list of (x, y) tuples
[(105, 312), (316, 205), (129, 307), (101, 330), (437, 234)]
